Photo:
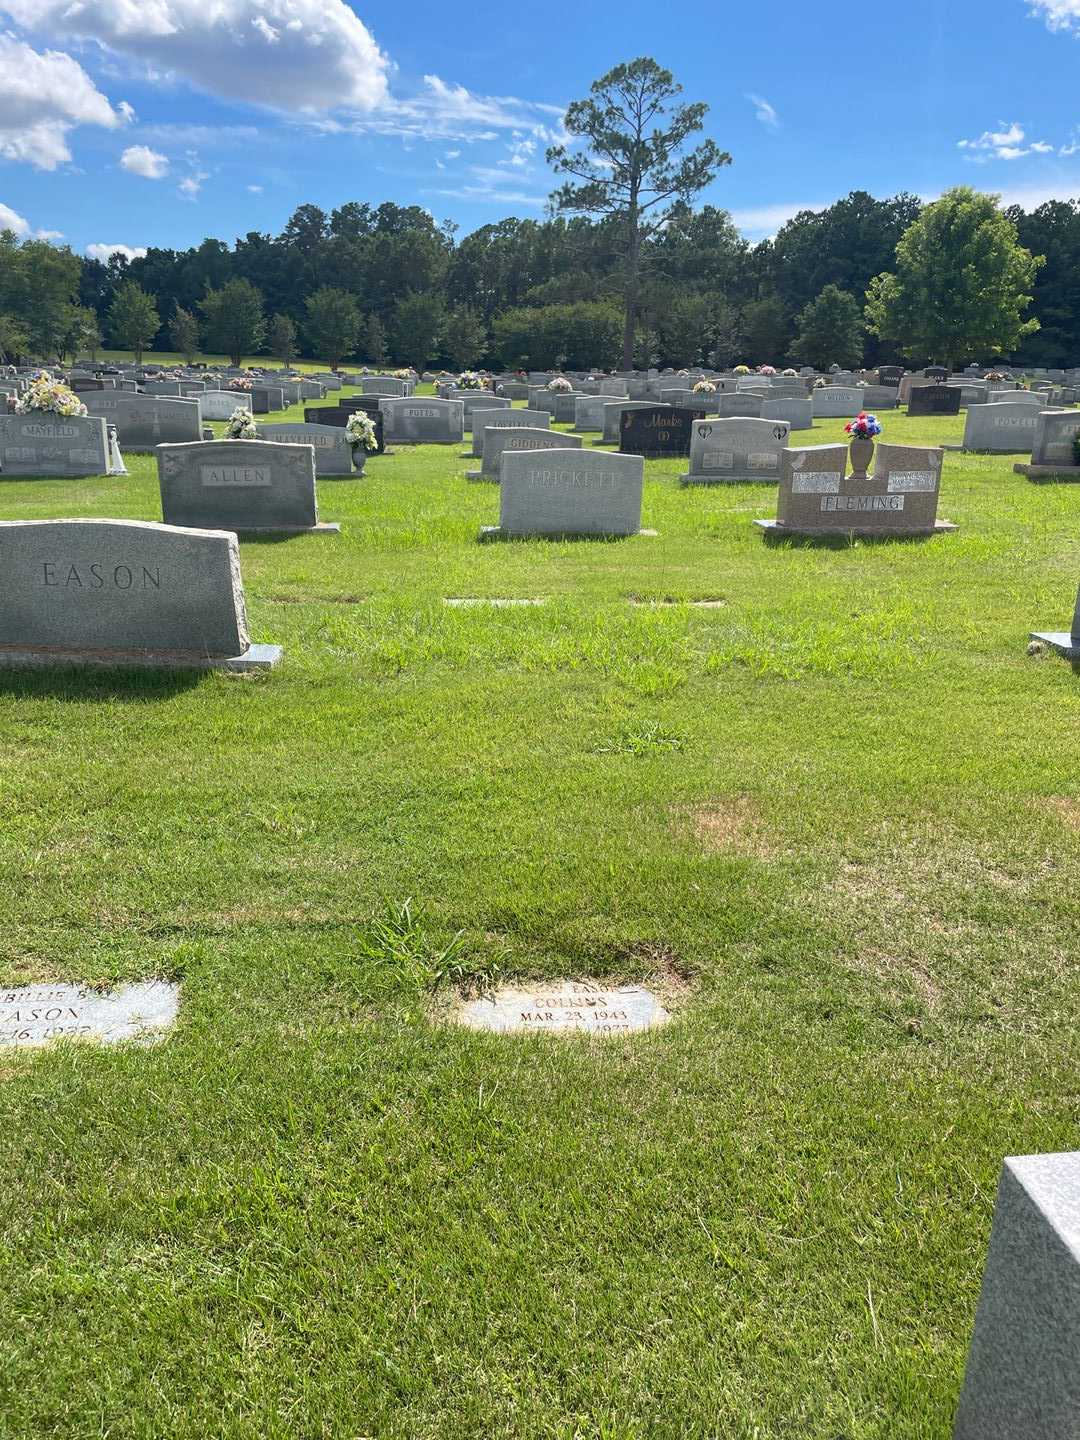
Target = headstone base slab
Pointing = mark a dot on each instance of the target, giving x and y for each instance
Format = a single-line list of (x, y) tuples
[(1060, 474), (691, 479), (476, 475), (864, 532), (489, 533), (244, 532), (255, 657), (1061, 641)]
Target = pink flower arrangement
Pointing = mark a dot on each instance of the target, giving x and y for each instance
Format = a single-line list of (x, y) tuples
[(766, 369), (863, 427)]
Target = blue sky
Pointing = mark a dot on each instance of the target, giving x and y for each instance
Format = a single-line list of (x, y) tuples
[(159, 122)]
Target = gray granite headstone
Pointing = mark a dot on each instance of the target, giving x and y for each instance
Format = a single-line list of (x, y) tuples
[(1002, 428), (837, 402), (36, 1015), (145, 421), (738, 405), (505, 419), (797, 413), (567, 1007), (728, 450), (1023, 1371), (570, 492), (422, 420), (123, 592), (589, 412), (1055, 431), (818, 496), (249, 486), (384, 385), (562, 409), (473, 400), (265, 398), (514, 440), (48, 445), (220, 404), (333, 451)]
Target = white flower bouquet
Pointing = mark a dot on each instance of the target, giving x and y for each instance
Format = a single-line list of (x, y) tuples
[(360, 431), (46, 395), (241, 426), (704, 387), (240, 384), (560, 385), (469, 380)]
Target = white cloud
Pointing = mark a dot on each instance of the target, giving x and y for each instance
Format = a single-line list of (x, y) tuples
[(295, 55), (103, 252), (191, 184), (495, 197), (763, 221), (445, 111), (1058, 14), (43, 96), (764, 112), (255, 189), (141, 160), (11, 220), (49, 234), (1004, 144)]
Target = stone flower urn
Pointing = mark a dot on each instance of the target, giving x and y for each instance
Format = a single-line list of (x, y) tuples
[(862, 453)]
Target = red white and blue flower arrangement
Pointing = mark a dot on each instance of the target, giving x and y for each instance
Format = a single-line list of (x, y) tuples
[(863, 427)]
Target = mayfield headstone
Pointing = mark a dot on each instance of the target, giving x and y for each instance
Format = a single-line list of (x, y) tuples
[(569, 493), (1022, 1380), (514, 440), (474, 400), (333, 452), (252, 487), (900, 497), (119, 592), (657, 431), (726, 451), (934, 400), (145, 421), (42, 444), (422, 421), (35, 1015), (505, 420), (567, 1007)]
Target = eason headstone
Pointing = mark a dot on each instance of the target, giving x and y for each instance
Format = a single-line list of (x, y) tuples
[(1022, 1380), (613, 416), (567, 1007), (505, 419), (422, 421), (1001, 428), (656, 431), (1052, 448), (934, 400), (838, 402), (514, 440), (123, 592), (1065, 642), (46, 445), (35, 1015), (220, 404), (252, 487), (725, 451), (333, 452), (818, 497), (796, 414), (569, 493), (145, 421)]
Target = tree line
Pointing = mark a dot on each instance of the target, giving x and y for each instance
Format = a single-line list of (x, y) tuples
[(625, 268)]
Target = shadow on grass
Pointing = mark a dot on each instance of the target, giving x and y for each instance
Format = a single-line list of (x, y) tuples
[(79, 684), (777, 539)]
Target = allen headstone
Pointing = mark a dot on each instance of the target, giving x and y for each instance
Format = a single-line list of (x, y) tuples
[(252, 487)]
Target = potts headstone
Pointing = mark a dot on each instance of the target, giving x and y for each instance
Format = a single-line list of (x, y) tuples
[(423, 421), (250, 486), (220, 404), (726, 451), (123, 592), (569, 493)]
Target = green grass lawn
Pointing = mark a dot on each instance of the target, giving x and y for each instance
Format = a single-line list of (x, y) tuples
[(834, 818)]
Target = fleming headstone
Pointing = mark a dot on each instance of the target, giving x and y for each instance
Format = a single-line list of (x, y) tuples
[(1022, 1380), (35, 1015), (567, 1007), (333, 452), (43, 444), (656, 431), (145, 421), (422, 421), (725, 451), (934, 400), (1052, 450), (569, 493), (120, 592), (1065, 642), (818, 497), (513, 440), (252, 487), (505, 419)]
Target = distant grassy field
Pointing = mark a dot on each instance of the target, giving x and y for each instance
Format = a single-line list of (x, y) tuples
[(834, 816), (264, 362)]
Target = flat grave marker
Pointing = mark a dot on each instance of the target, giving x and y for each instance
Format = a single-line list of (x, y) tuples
[(35, 1015), (566, 1007)]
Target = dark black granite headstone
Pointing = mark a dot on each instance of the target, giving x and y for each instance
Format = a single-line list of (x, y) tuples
[(657, 431), (368, 403), (934, 400), (331, 415), (82, 382), (890, 374), (936, 372)]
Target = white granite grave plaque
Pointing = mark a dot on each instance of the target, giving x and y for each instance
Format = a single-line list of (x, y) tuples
[(34, 1015), (559, 1007)]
